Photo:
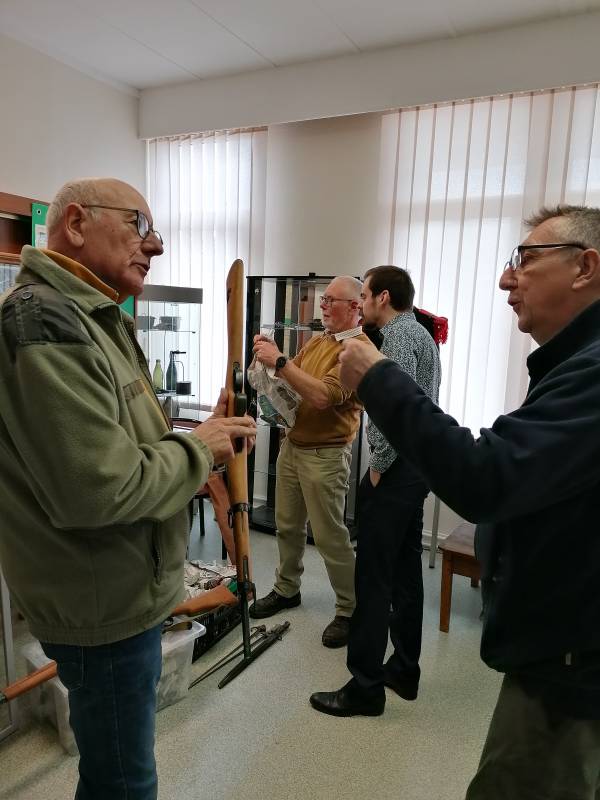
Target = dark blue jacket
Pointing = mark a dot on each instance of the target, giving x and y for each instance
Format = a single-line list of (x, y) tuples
[(531, 482)]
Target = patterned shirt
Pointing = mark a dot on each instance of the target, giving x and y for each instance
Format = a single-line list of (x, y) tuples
[(408, 343)]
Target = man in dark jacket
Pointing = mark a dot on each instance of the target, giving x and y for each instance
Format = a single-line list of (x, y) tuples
[(531, 483), (390, 523)]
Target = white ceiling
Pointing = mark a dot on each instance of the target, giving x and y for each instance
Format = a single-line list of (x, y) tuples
[(137, 44)]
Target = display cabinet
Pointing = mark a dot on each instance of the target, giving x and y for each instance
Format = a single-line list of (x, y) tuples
[(167, 320), (288, 310)]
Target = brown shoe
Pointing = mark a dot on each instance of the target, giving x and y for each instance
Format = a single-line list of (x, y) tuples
[(337, 632)]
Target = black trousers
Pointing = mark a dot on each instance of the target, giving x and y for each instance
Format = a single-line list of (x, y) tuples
[(388, 579)]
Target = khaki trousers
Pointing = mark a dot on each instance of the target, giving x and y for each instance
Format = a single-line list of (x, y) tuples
[(535, 754), (312, 484)]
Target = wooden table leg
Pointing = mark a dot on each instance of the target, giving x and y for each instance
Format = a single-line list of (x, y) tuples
[(446, 592)]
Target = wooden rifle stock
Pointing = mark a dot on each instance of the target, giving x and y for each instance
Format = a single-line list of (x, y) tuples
[(201, 604), (237, 475)]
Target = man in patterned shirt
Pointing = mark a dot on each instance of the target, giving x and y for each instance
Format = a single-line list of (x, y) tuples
[(391, 497)]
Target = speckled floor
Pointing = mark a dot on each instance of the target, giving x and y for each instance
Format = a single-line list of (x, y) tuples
[(259, 738)]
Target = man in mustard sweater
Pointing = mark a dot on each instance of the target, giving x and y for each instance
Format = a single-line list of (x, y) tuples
[(313, 467), (94, 485)]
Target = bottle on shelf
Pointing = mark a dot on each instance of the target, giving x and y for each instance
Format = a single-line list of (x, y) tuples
[(157, 375), (171, 384)]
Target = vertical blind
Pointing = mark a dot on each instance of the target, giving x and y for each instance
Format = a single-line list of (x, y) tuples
[(207, 195), (456, 181)]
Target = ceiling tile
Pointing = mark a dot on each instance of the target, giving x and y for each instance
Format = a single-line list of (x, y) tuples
[(180, 32), (284, 31)]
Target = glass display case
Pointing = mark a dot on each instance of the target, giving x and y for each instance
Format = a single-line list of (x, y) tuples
[(286, 309), (8, 273), (167, 320)]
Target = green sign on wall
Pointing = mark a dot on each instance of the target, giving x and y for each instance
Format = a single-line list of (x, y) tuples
[(39, 235)]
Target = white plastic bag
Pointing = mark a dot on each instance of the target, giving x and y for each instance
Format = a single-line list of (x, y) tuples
[(277, 401)]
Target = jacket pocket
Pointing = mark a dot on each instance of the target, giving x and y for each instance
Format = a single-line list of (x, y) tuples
[(157, 553), (133, 389)]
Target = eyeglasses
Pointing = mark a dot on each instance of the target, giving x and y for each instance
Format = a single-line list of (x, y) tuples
[(327, 300), (516, 257), (144, 228)]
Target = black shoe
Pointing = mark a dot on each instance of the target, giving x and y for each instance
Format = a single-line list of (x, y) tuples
[(337, 632), (347, 703), (271, 604), (407, 690)]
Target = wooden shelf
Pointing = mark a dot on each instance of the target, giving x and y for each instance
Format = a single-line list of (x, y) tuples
[(9, 258)]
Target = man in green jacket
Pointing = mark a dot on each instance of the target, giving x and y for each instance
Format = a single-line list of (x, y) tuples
[(94, 484)]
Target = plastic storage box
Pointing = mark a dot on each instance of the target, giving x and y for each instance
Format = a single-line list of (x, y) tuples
[(177, 649), (50, 700)]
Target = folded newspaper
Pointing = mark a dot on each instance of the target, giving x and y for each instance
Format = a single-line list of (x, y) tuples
[(198, 576), (277, 401)]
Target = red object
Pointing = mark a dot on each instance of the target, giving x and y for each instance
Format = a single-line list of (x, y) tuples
[(437, 326)]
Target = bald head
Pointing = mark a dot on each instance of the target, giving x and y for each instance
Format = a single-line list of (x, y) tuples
[(342, 311), (106, 225), (346, 286), (87, 192)]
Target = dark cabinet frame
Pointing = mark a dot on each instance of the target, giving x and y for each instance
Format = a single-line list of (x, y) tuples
[(263, 518)]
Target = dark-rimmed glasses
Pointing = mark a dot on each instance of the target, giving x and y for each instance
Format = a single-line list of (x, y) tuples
[(327, 300), (144, 228), (516, 257)]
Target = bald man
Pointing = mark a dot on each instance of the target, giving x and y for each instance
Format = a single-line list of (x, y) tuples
[(94, 486), (313, 467)]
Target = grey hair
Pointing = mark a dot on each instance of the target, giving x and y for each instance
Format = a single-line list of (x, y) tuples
[(85, 191), (352, 285), (575, 223)]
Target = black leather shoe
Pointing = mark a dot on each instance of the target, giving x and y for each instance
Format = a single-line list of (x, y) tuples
[(347, 703), (407, 690), (271, 604), (337, 632)]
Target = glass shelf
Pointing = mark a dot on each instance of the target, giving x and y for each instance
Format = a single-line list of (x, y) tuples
[(167, 321)]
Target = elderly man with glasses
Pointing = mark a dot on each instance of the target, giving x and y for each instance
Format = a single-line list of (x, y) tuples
[(532, 483), (94, 485), (313, 466)]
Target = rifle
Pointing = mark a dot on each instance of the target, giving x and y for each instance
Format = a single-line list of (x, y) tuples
[(196, 606), (237, 472)]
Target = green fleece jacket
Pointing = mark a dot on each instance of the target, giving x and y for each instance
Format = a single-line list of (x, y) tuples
[(94, 486)]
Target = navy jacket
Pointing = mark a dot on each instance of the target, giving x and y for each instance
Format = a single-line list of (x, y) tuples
[(531, 482)]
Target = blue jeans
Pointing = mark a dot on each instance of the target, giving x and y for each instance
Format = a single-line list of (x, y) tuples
[(112, 701)]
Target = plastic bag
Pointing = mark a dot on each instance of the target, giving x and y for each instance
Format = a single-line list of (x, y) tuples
[(277, 401)]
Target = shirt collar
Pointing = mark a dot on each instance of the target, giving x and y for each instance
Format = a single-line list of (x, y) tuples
[(400, 317), (81, 272), (349, 334)]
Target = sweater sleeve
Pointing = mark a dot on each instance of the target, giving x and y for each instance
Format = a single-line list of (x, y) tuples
[(539, 454)]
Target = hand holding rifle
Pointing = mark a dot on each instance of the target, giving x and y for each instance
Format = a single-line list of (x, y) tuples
[(219, 432)]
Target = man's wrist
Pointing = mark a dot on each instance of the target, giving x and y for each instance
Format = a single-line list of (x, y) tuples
[(280, 362)]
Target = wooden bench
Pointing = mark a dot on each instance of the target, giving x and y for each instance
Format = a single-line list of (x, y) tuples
[(458, 559)]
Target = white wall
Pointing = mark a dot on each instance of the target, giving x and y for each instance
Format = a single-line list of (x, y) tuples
[(58, 124), (322, 196), (535, 56)]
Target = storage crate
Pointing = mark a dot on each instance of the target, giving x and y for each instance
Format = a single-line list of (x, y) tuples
[(177, 650), (50, 700), (218, 623)]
